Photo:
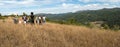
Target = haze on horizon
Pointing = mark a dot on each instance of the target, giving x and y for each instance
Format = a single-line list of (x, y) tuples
[(53, 6)]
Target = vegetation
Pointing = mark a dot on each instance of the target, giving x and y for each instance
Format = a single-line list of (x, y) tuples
[(0, 14), (24, 14), (55, 35), (110, 17), (2, 17)]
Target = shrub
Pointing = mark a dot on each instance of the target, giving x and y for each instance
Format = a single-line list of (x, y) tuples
[(116, 27)]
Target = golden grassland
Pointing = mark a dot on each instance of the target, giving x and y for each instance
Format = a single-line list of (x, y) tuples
[(55, 35)]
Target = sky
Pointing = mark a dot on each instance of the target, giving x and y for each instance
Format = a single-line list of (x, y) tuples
[(8, 7)]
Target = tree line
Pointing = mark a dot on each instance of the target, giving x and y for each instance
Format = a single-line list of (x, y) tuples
[(110, 17)]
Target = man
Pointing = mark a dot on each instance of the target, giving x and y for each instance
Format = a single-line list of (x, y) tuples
[(32, 18)]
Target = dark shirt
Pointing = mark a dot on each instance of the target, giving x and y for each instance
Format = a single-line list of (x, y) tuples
[(32, 17)]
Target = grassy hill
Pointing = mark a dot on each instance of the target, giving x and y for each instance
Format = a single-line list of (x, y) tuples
[(111, 17), (55, 35)]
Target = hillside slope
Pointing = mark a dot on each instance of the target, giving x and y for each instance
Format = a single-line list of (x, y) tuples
[(110, 17), (55, 35)]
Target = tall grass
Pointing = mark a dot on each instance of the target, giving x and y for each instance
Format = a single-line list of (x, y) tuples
[(55, 35)]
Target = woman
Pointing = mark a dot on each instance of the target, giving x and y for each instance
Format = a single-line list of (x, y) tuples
[(24, 19), (15, 19), (38, 20)]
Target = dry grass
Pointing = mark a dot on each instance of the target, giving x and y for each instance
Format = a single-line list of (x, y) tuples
[(55, 35)]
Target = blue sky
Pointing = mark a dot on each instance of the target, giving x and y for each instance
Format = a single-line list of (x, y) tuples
[(53, 6)]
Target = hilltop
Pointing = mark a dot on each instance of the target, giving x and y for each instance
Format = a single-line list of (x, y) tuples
[(55, 35), (110, 17)]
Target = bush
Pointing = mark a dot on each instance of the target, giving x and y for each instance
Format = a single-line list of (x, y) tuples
[(89, 25), (116, 27), (105, 26)]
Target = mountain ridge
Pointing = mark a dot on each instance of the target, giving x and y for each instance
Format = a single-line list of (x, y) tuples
[(110, 16)]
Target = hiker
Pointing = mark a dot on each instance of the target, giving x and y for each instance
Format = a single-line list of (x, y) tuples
[(32, 18), (38, 20), (24, 19), (41, 20), (44, 19), (15, 19)]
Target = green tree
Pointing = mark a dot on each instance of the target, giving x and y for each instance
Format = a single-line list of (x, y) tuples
[(106, 26), (71, 20), (116, 27), (24, 14), (12, 15)]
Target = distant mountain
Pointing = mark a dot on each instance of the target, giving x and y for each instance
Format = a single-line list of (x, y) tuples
[(111, 16)]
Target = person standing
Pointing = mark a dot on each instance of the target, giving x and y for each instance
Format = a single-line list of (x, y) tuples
[(32, 17), (24, 19), (38, 20), (16, 19), (44, 19)]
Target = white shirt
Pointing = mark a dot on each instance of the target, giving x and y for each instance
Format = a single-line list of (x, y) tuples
[(44, 18)]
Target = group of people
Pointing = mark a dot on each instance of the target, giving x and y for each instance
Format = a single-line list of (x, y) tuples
[(31, 19)]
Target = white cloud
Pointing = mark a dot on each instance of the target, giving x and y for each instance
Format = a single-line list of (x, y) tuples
[(65, 5), (13, 2), (85, 1), (109, 1), (104, 1), (1, 3), (63, 8), (63, 0), (73, 8), (25, 6)]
